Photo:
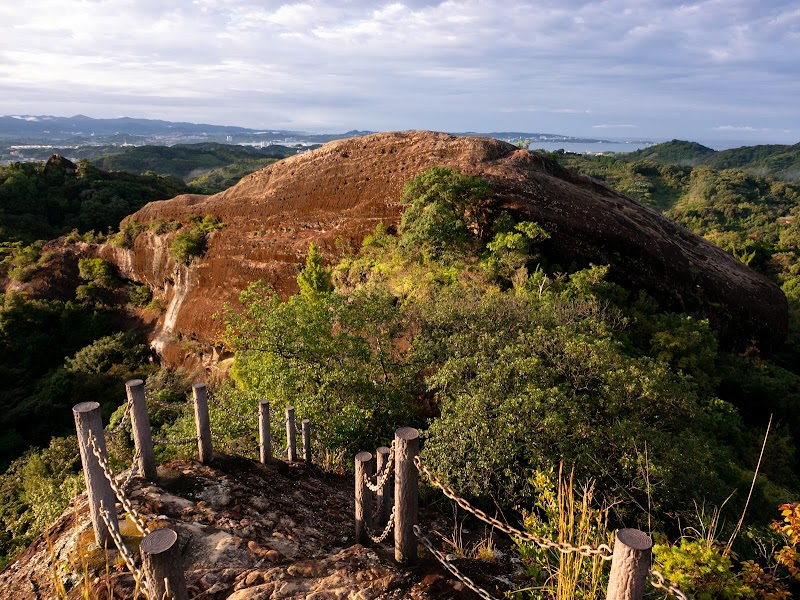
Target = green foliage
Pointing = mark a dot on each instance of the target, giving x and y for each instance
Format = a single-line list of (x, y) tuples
[(23, 260), (38, 203), (128, 233), (187, 245), (562, 512), (314, 279), (447, 210), (701, 569), (207, 167), (338, 360), (34, 491), (120, 353), (97, 270), (190, 242), (140, 294), (532, 381), (510, 251), (676, 152)]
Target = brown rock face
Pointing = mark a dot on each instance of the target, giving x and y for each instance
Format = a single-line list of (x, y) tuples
[(346, 187)]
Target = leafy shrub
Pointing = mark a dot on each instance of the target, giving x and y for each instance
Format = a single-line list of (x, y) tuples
[(701, 569), (190, 242), (187, 245), (127, 234), (140, 294), (122, 352), (98, 271)]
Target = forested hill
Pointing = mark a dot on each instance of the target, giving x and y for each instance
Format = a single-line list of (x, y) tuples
[(773, 160), (41, 201), (676, 152), (206, 167)]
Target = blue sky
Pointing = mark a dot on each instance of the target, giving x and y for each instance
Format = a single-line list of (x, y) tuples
[(716, 69)]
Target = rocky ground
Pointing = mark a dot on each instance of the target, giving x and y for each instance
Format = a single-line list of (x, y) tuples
[(248, 532)]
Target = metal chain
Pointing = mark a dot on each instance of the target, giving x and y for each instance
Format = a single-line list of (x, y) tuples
[(384, 477), (118, 491), (603, 550), (389, 526), (223, 408), (659, 581), (229, 447), (124, 552), (150, 399), (123, 421), (175, 442), (133, 470), (451, 567)]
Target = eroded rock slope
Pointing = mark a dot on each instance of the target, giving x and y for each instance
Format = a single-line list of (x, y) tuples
[(346, 187)]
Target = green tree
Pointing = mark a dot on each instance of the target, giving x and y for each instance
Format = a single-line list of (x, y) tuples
[(339, 360), (315, 278), (97, 270), (447, 210)]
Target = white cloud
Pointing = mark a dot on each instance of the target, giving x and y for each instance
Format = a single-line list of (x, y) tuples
[(382, 63), (620, 126)]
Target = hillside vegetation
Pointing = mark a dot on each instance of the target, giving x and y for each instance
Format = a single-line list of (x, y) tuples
[(206, 168), (41, 201), (511, 362), (774, 160)]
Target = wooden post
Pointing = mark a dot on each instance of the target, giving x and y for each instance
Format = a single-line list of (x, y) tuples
[(161, 560), (291, 437), (630, 565), (363, 497), (264, 434), (140, 423), (204, 449), (384, 495), (88, 420), (306, 426), (406, 494)]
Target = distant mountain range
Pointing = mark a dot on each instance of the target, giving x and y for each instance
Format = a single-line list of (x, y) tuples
[(81, 129)]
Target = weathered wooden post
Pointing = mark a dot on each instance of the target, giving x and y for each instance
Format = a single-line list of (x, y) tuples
[(630, 565), (406, 494), (204, 449), (140, 424), (291, 437), (264, 434), (363, 497), (88, 421), (161, 560), (306, 427), (384, 495)]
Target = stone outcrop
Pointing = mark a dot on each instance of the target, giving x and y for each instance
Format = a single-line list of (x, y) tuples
[(246, 532), (345, 188)]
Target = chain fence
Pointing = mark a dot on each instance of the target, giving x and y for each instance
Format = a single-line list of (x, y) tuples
[(218, 404), (118, 491), (122, 422), (138, 577), (378, 539), (603, 550), (182, 442), (440, 556), (659, 582), (383, 477), (230, 447)]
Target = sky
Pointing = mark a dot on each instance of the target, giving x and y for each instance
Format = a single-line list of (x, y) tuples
[(635, 69)]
